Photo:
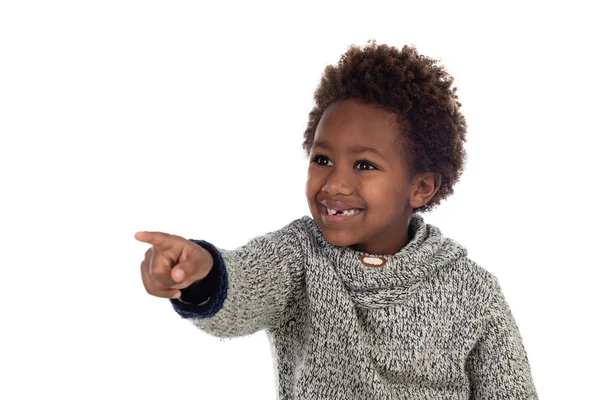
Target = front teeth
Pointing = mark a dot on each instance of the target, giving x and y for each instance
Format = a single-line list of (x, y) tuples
[(345, 212)]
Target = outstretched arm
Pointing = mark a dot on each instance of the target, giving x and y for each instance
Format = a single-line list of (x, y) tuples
[(250, 288)]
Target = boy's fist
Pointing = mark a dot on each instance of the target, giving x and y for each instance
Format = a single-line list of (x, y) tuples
[(172, 263)]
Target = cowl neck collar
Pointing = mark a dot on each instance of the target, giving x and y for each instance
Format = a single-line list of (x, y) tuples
[(403, 272)]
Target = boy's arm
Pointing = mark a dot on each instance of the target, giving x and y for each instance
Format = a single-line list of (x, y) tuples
[(498, 366), (249, 288)]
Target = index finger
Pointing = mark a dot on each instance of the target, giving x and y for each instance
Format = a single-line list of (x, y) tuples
[(158, 239)]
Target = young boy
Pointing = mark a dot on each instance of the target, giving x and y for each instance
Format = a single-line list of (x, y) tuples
[(364, 300)]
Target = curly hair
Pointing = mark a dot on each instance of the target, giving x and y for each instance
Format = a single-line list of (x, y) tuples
[(414, 87)]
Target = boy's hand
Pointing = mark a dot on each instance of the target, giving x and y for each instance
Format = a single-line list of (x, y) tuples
[(172, 263)]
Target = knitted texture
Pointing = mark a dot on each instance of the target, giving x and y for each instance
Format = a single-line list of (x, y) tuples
[(429, 324)]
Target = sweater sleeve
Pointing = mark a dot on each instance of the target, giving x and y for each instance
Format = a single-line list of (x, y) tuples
[(259, 284), (498, 366)]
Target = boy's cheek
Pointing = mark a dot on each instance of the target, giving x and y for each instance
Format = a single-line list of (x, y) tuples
[(312, 185)]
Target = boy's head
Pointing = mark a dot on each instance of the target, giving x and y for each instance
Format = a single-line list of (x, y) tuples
[(402, 106)]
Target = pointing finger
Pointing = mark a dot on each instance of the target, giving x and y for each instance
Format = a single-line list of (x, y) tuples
[(159, 239)]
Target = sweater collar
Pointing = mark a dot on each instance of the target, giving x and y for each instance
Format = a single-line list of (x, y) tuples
[(403, 273)]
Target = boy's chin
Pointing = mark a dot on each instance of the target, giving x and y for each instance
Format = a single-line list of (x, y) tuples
[(339, 239)]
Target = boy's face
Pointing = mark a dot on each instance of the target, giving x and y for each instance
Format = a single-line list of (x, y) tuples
[(371, 185)]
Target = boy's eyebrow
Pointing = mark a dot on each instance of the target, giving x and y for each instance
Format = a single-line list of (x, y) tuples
[(353, 149)]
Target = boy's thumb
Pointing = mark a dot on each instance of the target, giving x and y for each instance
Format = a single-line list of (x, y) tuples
[(186, 271)]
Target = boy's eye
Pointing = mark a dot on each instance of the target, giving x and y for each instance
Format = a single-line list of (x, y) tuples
[(365, 166), (322, 160), (326, 162)]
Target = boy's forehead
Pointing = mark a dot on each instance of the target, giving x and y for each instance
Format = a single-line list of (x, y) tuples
[(353, 125)]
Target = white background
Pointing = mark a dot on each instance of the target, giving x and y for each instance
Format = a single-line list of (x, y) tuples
[(187, 117)]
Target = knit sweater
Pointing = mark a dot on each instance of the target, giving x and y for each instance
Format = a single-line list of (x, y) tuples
[(428, 324)]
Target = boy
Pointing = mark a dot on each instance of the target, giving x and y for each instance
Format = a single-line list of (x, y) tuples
[(364, 300)]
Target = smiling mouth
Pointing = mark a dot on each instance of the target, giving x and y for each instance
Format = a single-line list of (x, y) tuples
[(343, 212), (331, 215)]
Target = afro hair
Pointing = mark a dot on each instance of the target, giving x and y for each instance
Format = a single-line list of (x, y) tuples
[(414, 87)]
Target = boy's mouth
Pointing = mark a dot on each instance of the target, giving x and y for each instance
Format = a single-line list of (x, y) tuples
[(331, 213), (343, 212)]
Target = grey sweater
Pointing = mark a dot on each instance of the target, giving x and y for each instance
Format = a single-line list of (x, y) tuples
[(429, 324)]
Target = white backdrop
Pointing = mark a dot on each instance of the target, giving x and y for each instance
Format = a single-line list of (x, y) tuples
[(187, 117)]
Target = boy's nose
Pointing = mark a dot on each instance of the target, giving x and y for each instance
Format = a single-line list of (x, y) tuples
[(338, 183)]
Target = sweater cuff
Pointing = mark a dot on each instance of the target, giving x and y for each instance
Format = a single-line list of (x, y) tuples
[(204, 298)]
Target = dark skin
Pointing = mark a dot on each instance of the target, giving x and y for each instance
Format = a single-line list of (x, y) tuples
[(375, 181), (172, 263)]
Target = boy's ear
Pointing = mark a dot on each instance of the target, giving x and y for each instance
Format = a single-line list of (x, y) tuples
[(423, 187)]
